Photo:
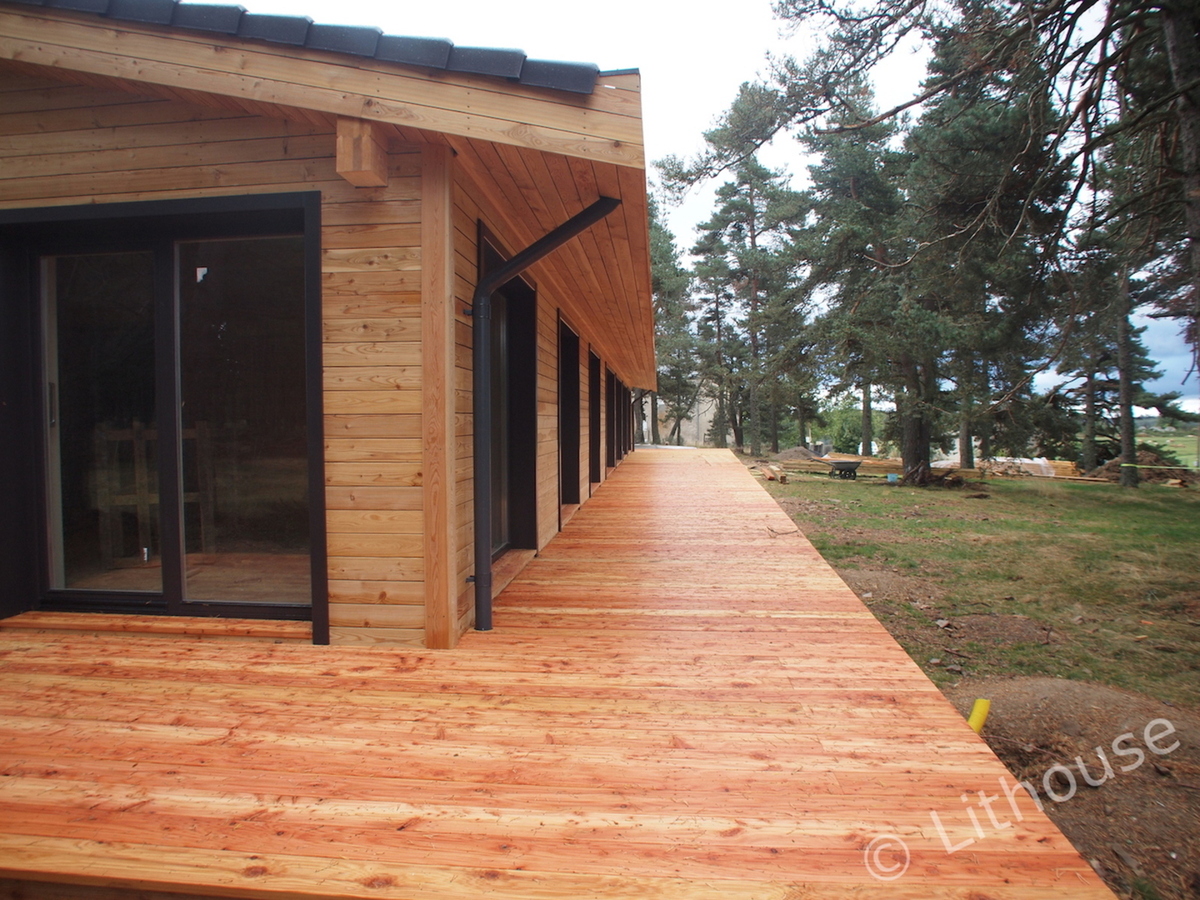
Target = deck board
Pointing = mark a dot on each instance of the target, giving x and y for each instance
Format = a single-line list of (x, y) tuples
[(680, 699)]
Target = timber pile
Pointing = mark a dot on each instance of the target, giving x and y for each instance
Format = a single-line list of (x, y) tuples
[(1064, 468), (770, 472)]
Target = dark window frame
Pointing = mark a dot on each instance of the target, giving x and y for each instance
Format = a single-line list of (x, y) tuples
[(521, 317), (570, 398), (28, 234), (595, 474)]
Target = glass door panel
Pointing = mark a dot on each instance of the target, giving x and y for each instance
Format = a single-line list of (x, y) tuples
[(244, 439), (101, 423)]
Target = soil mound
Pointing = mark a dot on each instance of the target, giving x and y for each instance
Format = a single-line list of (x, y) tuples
[(1159, 472), (1138, 827)]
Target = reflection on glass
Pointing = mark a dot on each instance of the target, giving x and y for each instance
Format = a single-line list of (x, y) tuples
[(104, 528), (241, 321)]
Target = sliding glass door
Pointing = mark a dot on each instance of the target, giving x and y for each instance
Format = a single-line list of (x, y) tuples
[(176, 426)]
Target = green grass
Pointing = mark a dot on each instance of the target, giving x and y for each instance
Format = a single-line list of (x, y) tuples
[(1115, 574)]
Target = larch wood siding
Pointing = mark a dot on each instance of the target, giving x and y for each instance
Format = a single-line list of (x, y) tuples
[(65, 144)]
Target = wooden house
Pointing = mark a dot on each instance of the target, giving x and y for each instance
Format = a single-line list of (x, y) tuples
[(243, 260)]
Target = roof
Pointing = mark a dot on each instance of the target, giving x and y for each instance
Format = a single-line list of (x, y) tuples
[(350, 40)]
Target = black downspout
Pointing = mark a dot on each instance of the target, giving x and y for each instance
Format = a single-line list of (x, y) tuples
[(481, 315)]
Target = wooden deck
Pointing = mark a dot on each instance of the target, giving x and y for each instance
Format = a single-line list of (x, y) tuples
[(680, 700)]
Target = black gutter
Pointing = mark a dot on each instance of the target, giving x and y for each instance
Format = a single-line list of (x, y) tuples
[(481, 314)]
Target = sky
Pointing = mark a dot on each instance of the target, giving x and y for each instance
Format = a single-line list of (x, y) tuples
[(693, 56)]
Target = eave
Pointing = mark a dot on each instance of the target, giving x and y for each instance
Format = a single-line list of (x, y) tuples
[(604, 125)]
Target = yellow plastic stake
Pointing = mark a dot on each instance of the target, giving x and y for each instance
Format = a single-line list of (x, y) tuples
[(979, 714)]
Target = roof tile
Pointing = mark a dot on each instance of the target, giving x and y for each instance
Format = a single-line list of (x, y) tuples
[(352, 39), (152, 12), (208, 17), (276, 29), (486, 61)]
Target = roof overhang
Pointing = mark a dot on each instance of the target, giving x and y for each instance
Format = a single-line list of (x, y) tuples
[(603, 125)]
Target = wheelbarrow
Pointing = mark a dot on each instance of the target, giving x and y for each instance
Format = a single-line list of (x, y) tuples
[(843, 468)]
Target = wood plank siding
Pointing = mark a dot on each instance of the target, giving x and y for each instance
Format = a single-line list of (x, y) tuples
[(407, 165), (657, 714)]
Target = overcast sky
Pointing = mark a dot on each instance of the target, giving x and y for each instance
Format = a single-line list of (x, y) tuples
[(693, 55)]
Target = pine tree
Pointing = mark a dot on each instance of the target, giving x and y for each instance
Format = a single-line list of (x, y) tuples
[(674, 339), (744, 261)]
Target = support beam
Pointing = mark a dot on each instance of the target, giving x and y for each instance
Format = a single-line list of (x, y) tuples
[(437, 397), (362, 157)]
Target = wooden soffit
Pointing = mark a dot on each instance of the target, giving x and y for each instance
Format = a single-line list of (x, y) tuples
[(604, 126), (600, 279)]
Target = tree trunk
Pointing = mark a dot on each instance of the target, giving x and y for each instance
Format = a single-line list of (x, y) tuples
[(755, 419), (774, 422), (802, 426), (914, 447), (720, 422), (916, 431), (639, 415), (966, 442), (868, 432), (739, 432), (655, 435), (1129, 472), (1088, 444)]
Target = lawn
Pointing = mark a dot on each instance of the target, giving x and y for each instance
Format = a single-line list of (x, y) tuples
[(1022, 576)]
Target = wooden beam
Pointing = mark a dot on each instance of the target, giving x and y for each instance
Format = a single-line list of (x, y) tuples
[(437, 383), (362, 157)]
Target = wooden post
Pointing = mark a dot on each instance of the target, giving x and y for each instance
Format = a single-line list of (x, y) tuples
[(362, 157), (437, 387)]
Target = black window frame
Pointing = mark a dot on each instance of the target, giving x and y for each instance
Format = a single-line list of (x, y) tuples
[(28, 234)]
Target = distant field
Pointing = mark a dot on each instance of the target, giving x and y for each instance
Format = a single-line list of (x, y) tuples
[(1182, 445)]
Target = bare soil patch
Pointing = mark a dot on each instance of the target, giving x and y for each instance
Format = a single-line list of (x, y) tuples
[(1140, 829)]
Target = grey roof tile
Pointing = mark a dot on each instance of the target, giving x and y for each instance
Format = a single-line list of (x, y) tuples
[(276, 29), (577, 77), (486, 61), (208, 17), (414, 51), (351, 39), (152, 12)]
